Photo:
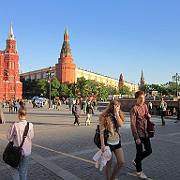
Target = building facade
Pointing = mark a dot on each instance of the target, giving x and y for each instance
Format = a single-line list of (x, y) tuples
[(67, 72), (10, 85)]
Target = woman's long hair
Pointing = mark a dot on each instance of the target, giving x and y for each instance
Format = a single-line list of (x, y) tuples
[(109, 111)]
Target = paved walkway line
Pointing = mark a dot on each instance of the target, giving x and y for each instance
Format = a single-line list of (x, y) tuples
[(86, 151), (64, 174), (65, 154)]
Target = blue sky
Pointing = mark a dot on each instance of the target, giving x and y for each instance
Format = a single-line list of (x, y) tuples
[(106, 36)]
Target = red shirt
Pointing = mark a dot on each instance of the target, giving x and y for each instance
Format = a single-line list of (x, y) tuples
[(138, 116)]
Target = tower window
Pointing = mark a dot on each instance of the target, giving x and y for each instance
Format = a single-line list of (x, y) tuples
[(12, 65)]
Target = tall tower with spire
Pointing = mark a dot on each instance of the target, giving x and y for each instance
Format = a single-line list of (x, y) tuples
[(142, 81), (121, 80), (10, 80), (65, 68)]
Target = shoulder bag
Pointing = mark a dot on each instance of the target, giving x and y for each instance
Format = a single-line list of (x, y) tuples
[(12, 154)]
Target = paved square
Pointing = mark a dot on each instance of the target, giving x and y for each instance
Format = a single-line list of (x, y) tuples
[(64, 151)]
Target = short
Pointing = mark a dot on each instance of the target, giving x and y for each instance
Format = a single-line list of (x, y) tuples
[(114, 147)]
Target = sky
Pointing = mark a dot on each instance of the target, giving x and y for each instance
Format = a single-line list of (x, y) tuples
[(106, 36)]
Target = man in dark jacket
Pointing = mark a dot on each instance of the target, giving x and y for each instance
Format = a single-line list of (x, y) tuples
[(76, 110)]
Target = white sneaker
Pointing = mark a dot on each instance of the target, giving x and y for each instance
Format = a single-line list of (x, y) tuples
[(141, 175), (134, 163)]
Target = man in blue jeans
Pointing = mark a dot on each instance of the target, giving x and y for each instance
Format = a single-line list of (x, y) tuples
[(139, 115)]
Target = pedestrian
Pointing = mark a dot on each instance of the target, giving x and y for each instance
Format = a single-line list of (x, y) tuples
[(10, 106), (15, 134), (163, 108), (139, 115), (70, 103), (150, 107), (2, 120), (84, 106), (89, 112), (15, 104), (58, 104), (21, 104), (112, 119), (76, 109)]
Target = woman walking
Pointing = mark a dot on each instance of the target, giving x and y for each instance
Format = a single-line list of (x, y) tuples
[(112, 119), (15, 134)]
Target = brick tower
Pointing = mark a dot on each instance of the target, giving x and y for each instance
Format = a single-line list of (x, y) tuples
[(142, 81), (121, 80), (10, 85), (66, 69)]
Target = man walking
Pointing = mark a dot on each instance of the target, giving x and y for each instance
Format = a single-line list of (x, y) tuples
[(139, 115), (76, 109), (163, 108)]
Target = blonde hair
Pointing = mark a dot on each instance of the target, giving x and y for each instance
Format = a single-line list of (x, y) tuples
[(109, 111)]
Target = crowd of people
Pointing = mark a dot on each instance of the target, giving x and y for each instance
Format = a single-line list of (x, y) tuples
[(12, 105), (112, 119)]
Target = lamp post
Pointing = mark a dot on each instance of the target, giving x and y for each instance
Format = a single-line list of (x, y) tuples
[(49, 76), (176, 78)]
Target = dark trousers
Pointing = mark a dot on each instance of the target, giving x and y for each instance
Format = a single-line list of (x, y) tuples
[(76, 119), (140, 154), (163, 113)]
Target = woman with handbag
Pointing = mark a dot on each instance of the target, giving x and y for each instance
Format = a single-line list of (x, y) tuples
[(15, 134), (112, 119)]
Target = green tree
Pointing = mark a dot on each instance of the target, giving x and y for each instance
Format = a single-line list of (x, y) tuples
[(55, 85), (43, 86), (103, 92), (64, 90), (30, 88), (145, 88), (124, 90)]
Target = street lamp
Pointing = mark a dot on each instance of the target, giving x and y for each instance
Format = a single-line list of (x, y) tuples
[(176, 78), (49, 77)]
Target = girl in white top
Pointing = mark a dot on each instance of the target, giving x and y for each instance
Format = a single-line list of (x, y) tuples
[(15, 134), (112, 119)]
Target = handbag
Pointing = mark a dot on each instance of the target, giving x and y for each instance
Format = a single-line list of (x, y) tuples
[(97, 139), (12, 154), (150, 128), (150, 124)]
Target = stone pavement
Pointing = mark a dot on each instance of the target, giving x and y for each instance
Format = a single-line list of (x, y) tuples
[(63, 151)]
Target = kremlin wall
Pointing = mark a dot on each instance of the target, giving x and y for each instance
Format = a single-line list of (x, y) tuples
[(67, 72)]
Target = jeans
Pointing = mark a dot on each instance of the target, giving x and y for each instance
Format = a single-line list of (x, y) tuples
[(21, 172), (140, 154)]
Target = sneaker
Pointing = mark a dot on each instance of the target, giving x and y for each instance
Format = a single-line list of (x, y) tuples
[(134, 163), (141, 175)]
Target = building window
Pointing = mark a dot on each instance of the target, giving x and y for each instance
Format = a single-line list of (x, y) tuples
[(12, 65)]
